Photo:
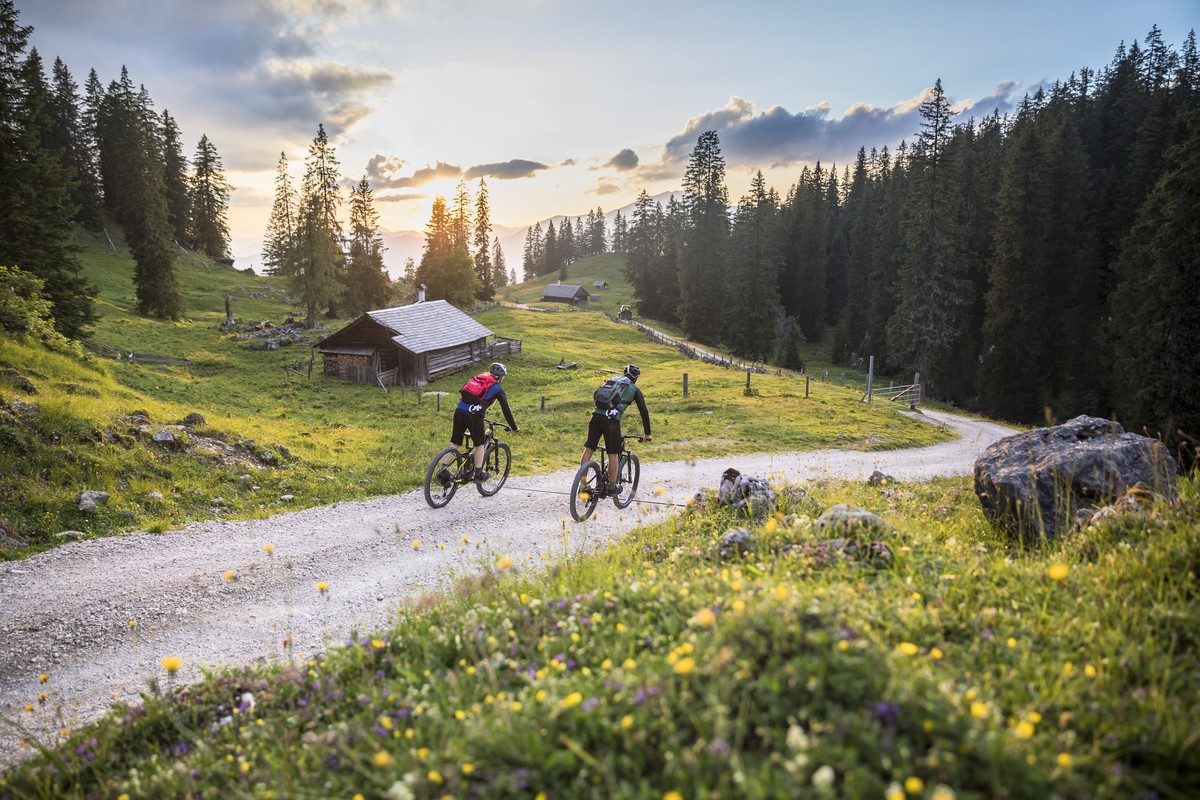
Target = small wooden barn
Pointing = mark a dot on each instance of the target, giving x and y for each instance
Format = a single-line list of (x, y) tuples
[(410, 345), (565, 293)]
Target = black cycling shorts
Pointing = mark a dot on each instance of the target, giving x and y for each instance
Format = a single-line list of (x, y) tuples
[(610, 429), (465, 420)]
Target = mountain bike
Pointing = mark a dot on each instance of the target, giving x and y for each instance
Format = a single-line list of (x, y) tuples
[(448, 470), (591, 480)]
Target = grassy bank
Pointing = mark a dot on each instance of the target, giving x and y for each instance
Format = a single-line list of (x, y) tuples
[(662, 669)]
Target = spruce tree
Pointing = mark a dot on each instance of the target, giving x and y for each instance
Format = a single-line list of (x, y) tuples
[(499, 268), (705, 242), (280, 238), (752, 295), (70, 138), (35, 202), (484, 267), (318, 260), (366, 280), (1155, 324), (931, 289), (175, 180), (208, 199)]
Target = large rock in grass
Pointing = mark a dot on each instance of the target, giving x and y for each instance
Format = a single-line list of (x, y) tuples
[(1034, 484)]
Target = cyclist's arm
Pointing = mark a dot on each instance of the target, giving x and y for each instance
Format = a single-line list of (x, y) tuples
[(503, 398), (640, 399)]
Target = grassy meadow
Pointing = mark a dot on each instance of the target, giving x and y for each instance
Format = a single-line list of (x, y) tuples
[(273, 439), (961, 669), (662, 670)]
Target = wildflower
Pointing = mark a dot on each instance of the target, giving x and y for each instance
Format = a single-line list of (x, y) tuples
[(942, 792), (229, 575), (672, 795), (464, 539), (416, 544), (660, 490), (704, 617), (914, 785), (571, 700), (771, 525), (894, 792), (979, 710), (322, 586), (43, 677), (132, 624), (378, 644), (468, 768), (936, 654), (505, 563), (269, 548), (382, 758), (626, 722), (1058, 571), (1023, 730), (908, 648), (172, 664), (629, 663), (824, 776), (434, 776), (1012, 643), (1064, 760), (1089, 670), (685, 666)]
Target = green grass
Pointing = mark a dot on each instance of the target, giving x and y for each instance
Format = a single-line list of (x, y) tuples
[(320, 441), (962, 669), (585, 272)]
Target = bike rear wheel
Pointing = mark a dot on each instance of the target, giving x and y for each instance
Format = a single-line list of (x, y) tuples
[(629, 472), (585, 491), (441, 480), (496, 464)]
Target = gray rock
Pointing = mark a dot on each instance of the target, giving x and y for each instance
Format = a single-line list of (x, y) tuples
[(166, 437), (735, 542), (193, 419), (89, 499), (739, 491), (1034, 484), (155, 496), (880, 479), (852, 522)]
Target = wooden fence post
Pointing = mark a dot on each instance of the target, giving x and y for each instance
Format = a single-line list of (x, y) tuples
[(685, 388), (747, 380), (543, 402), (439, 401), (806, 386)]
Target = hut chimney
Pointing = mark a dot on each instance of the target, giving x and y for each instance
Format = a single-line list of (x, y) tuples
[(421, 293)]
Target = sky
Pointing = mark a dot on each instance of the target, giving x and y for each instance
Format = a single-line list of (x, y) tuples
[(563, 106)]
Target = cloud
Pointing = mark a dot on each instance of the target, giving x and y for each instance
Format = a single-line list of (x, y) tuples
[(624, 160), (778, 137), (506, 170), (606, 186)]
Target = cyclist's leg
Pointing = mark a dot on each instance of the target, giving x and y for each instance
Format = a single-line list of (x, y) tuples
[(478, 435), (596, 427), (462, 420), (612, 441)]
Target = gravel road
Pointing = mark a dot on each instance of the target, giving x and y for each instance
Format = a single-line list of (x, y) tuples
[(67, 612)]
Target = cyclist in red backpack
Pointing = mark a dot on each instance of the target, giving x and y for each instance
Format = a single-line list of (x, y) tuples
[(477, 395), (606, 419)]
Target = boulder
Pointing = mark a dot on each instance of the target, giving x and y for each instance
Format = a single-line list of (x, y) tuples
[(89, 499), (1034, 484), (193, 419), (754, 495)]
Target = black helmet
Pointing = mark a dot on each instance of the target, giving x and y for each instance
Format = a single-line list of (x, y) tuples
[(498, 370), (632, 371)]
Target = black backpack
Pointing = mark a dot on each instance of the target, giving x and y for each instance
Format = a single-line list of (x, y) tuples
[(609, 395)]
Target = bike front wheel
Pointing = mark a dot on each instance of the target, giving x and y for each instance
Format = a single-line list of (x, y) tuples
[(585, 491), (441, 479), (496, 463), (629, 472)]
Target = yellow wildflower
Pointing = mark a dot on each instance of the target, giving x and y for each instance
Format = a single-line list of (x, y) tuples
[(322, 586), (1058, 571), (382, 758), (685, 666), (704, 617), (914, 785), (979, 710), (172, 664), (1023, 730), (1065, 760), (505, 563), (572, 700), (908, 648)]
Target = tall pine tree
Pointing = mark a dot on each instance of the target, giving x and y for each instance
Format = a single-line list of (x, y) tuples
[(705, 242)]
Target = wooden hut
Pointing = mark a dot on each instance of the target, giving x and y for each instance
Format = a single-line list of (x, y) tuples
[(409, 345), (565, 293)]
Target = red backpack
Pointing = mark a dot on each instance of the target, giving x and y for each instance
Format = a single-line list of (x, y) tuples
[(474, 389)]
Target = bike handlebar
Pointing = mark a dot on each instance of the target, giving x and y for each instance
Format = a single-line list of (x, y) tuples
[(496, 424)]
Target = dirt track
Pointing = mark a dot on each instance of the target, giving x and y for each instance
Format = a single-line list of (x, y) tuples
[(67, 612)]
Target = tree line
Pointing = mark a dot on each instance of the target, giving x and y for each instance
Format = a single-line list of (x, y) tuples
[(1032, 266), (72, 158), (550, 251)]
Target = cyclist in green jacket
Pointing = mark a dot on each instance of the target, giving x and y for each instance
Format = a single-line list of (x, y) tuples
[(606, 422)]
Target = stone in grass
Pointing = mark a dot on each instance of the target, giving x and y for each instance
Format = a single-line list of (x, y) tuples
[(90, 499), (1033, 485), (743, 492)]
